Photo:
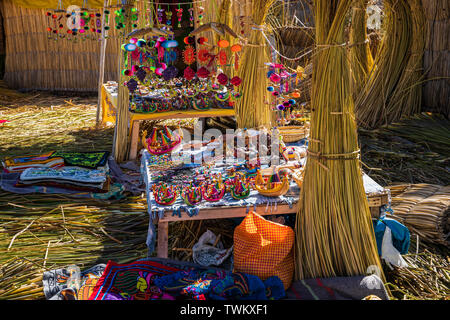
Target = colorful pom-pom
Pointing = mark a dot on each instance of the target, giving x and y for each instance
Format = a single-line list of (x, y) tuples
[(236, 81), (222, 79), (270, 88)]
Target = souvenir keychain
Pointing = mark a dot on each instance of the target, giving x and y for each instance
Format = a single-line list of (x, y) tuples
[(179, 15), (168, 18), (191, 16)]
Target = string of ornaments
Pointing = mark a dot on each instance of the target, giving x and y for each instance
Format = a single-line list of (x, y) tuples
[(150, 65)]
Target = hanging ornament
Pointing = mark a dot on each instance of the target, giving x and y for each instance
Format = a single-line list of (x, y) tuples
[(222, 57), (191, 16), (236, 81), (170, 73), (189, 55), (170, 55), (223, 43), (132, 85), (189, 74), (168, 17), (222, 79), (202, 40), (179, 15), (235, 49), (203, 55), (160, 15), (203, 73), (200, 16), (134, 17), (106, 15), (189, 40)]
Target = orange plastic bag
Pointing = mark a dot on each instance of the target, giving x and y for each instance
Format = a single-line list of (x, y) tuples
[(264, 248)]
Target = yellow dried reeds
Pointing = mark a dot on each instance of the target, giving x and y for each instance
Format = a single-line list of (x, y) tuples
[(121, 145), (393, 89), (407, 97), (361, 60), (251, 109), (334, 230)]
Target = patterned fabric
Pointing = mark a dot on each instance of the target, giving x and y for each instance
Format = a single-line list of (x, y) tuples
[(132, 281), (264, 249), (19, 164), (57, 286), (91, 160), (211, 284)]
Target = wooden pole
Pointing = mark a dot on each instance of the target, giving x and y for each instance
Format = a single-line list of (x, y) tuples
[(101, 75)]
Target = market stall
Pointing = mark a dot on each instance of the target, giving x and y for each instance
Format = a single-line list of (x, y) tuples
[(218, 180)]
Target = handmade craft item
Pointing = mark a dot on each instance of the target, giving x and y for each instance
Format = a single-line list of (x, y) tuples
[(164, 194), (214, 191), (273, 186), (19, 164), (166, 142), (191, 194), (239, 189)]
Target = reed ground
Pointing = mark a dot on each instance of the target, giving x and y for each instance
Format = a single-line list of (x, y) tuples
[(86, 232)]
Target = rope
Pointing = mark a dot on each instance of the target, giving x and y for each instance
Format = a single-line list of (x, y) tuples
[(337, 156)]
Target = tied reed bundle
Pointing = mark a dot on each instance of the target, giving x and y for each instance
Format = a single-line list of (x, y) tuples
[(334, 230), (121, 131), (360, 56), (372, 104), (251, 110), (407, 97)]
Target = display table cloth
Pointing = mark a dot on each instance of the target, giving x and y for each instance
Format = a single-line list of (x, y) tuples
[(227, 207)]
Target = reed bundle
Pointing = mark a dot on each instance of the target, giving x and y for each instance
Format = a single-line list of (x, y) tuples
[(425, 210), (390, 62), (436, 60), (361, 60), (334, 230), (406, 99), (121, 144), (251, 109)]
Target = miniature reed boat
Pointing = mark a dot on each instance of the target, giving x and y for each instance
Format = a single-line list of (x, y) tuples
[(164, 195), (167, 143), (192, 195), (273, 186)]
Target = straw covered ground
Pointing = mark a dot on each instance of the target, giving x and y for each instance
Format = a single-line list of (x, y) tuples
[(43, 232)]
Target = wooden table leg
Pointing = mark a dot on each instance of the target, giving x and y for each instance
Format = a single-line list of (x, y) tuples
[(134, 140), (163, 240)]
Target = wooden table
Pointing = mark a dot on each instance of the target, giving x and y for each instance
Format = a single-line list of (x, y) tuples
[(109, 103), (162, 250)]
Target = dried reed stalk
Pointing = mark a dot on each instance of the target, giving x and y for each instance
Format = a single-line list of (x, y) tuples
[(360, 56), (334, 230), (121, 132), (406, 99), (251, 109), (390, 62)]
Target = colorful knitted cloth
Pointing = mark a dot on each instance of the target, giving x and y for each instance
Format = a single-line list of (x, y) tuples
[(131, 281)]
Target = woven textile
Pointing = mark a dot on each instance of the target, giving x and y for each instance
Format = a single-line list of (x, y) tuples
[(132, 281), (264, 248)]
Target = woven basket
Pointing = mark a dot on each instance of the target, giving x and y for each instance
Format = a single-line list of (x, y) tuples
[(293, 133)]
